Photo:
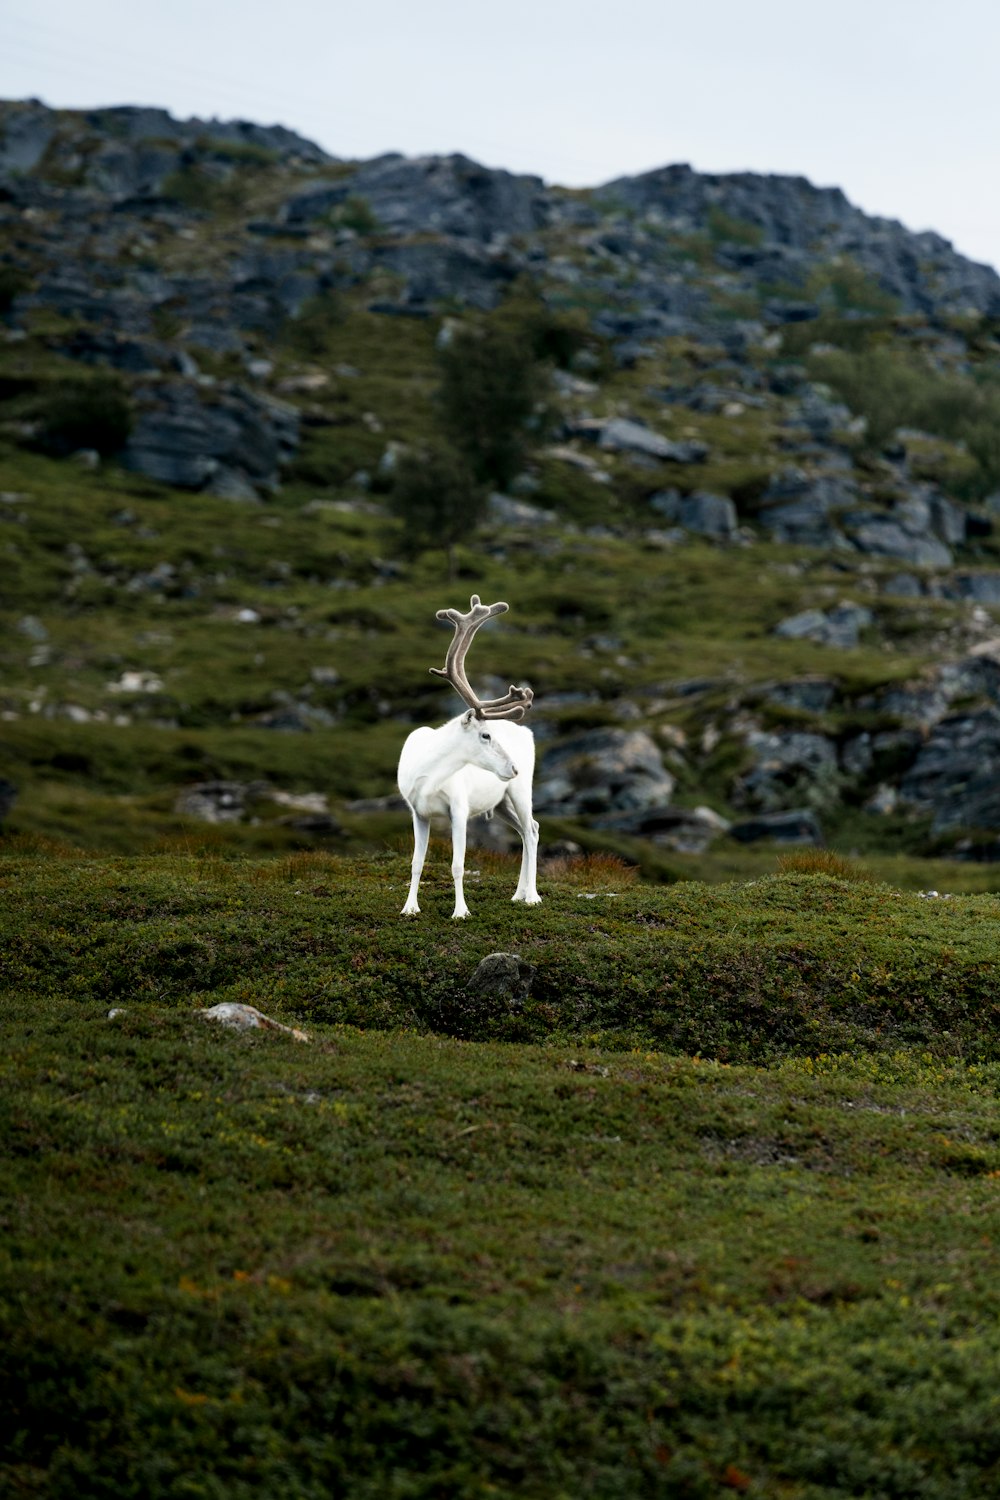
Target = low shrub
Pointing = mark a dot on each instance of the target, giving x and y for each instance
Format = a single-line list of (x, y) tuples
[(12, 283), (822, 862), (94, 413)]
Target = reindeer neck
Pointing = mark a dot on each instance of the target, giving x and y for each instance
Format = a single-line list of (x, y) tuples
[(450, 754)]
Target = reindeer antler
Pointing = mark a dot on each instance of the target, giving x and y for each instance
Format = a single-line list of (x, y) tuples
[(516, 701)]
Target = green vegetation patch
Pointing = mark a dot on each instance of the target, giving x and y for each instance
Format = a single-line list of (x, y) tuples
[(891, 389), (397, 1265)]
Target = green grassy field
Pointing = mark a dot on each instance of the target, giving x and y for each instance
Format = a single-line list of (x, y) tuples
[(714, 1210)]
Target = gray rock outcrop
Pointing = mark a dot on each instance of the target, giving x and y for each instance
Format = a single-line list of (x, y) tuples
[(219, 801), (449, 195), (903, 534), (622, 435), (701, 513), (802, 510), (125, 150), (683, 829), (793, 219)]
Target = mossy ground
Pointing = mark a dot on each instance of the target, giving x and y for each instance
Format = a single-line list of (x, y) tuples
[(395, 1261)]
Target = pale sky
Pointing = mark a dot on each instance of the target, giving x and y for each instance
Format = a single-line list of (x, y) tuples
[(895, 101)]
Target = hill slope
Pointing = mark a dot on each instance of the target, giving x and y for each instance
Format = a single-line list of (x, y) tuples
[(748, 539)]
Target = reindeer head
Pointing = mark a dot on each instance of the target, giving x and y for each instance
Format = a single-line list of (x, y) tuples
[(485, 749)]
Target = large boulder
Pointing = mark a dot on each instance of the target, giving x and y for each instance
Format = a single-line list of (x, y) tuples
[(603, 770), (795, 827), (800, 508), (240, 801), (230, 440), (840, 626), (981, 588), (133, 356), (812, 695), (448, 268), (956, 774), (702, 513), (26, 130), (948, 521), (790, 769), (619, 435), (635, 439), (685, 830), (84, 297), (501, 979), (912, 531), (815, 413)]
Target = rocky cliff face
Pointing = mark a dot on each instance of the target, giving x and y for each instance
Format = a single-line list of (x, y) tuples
[(799, 228), (126, 149), (97, 207)]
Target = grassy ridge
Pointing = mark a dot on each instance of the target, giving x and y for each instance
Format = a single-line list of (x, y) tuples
[(789, 964)]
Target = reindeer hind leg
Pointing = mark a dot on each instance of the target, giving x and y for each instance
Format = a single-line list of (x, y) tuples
[(421, 834)]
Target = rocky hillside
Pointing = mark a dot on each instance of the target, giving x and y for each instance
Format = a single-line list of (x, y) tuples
[(749, 542)]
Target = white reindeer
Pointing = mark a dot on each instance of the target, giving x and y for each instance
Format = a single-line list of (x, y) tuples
[(473, 764)]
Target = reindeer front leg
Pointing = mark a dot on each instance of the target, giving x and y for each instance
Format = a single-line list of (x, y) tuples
[(527, 890), (459, 822), (421, 833), (517, 805)]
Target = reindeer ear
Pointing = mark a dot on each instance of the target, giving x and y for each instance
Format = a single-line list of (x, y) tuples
[(468, 718)]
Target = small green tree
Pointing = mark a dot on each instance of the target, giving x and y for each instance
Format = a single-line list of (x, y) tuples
[(490, 387), (553, 335), (438, 500), (312, 332)]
